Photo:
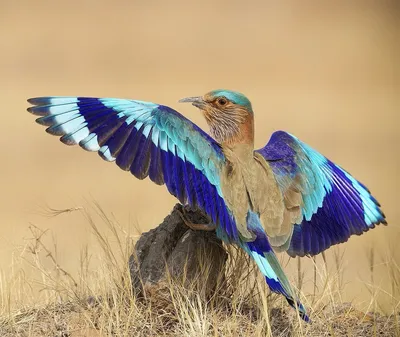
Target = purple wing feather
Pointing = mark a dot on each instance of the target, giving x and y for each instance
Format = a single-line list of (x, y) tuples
[(147, 139), (335, 205)]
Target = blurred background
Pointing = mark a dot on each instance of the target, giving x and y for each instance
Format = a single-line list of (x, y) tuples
[(327, 72)]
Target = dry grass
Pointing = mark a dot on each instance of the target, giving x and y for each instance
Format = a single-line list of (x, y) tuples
[(98, 300)]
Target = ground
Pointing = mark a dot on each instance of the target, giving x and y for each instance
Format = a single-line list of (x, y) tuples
[(100, 301)]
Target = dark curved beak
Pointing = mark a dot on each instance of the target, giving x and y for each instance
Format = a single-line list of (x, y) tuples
[(198, 102)]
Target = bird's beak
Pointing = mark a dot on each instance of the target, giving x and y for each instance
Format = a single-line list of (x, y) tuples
[(198, 102)]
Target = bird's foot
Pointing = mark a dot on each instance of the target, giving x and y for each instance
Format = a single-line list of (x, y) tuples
[(196, 226)]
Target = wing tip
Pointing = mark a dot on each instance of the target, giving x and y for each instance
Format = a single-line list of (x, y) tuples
[(380, 221), (105, 154), (65, 139), (38, 101), (42, 120), (55, 130), (35, 111), (33, 100)]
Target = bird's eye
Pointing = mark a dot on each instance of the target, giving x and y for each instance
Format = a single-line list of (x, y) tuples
[(222, 101)]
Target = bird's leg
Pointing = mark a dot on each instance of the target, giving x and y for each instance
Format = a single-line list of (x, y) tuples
[(196, 226)]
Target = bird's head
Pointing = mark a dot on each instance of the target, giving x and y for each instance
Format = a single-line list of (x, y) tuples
[(228, 113)]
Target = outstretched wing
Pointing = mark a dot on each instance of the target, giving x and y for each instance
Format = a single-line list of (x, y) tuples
[(332, 205), (147, 139)]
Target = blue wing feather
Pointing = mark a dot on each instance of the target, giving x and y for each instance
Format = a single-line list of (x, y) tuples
[(146, 139), (335, 205)]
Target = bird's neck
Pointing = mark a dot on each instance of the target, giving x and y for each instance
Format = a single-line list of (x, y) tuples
[(235, 133)]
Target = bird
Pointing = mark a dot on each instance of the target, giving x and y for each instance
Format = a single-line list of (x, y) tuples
[(283, 197)]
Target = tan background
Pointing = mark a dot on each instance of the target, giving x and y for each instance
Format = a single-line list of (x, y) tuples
[(326, 73)]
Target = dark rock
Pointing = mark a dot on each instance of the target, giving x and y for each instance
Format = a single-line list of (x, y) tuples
[(187, 255)]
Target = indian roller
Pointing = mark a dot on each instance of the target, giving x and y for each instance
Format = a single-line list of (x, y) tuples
[(284, 196)]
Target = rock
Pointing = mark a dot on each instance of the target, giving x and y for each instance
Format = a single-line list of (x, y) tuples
[(188, 255)]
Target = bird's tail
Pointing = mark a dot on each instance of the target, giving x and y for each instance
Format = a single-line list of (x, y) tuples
[(260, 250), (262, 253)]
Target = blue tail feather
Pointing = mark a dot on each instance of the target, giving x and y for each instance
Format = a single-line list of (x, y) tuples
[(266, 260)]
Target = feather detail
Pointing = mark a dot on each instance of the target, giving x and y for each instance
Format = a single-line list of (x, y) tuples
[(333, 205), (265, 258), (146, 139)]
